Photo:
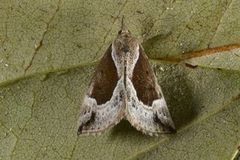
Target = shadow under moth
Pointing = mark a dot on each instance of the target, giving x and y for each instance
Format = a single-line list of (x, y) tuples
[(124, 86)]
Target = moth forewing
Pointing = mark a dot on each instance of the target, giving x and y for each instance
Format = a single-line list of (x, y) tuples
[(147, 109), (103, 106), (124, 86)]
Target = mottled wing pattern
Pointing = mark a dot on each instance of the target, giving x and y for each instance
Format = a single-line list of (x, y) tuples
[(102, 105), (147, 109)]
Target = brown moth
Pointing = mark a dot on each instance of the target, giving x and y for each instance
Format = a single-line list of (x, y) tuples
[(124, 86)]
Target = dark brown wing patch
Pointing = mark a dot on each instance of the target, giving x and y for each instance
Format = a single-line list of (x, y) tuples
[(144, 80), (105, 78)]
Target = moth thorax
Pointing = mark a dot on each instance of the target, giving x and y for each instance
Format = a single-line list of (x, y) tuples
[(125, 61)]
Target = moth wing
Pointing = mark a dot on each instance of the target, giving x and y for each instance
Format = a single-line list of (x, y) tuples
[(102, 105), (147, 109)]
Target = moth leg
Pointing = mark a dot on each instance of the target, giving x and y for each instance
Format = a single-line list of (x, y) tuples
[(150, 120), (96, 118)]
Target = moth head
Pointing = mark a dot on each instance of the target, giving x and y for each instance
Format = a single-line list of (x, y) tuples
[(125, 42)]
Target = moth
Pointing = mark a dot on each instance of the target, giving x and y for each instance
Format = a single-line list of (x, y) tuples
[(125, 86)]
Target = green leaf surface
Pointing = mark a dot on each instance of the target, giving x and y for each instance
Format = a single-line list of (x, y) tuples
[(48, 51)]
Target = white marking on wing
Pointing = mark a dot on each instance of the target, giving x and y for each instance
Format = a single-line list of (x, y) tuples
[(142, 116), (106, 115)]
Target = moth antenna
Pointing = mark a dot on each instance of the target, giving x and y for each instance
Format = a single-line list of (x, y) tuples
[(123, 25)]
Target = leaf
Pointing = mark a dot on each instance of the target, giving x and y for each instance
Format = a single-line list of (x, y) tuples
[(47, 56)]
